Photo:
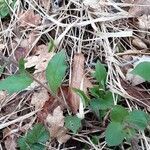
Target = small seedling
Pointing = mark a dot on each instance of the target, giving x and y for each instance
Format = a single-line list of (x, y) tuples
[(35, 139), (124, 125)]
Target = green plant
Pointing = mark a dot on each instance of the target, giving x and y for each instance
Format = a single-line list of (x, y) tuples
[(124, 125), (102, 99), (55, 73), (35, 139), (5, 7)]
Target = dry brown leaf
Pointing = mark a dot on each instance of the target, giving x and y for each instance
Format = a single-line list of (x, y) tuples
[(25, 45), (139, 43), (78, 80), (40, 59), (144, 22), (29, 18), (52, 103), (140, 10), (10, 143), (39, 98), (137, 93), (55, 122), (46, 4)]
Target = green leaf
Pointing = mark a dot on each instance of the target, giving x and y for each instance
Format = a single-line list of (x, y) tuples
[(73, 123), (55, 71), (129, 133), (102, 104), (138, 119), (15, 83), (100, 74), (107, 101), (35, 139), (143, 70), (85, 98), (4, 9), (95, 106), (114, 134), (118, 114)]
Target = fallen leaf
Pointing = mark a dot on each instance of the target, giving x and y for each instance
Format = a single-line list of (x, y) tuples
[(55, 123), (137, 10), (39, 98), (52, 103), (10, 142), (29, 18), (144, 22), (40, 59), (78, 81), (139, 43), (46, 4), (137, 93)]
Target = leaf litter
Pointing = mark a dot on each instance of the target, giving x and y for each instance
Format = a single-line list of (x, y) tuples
[(100, 32)]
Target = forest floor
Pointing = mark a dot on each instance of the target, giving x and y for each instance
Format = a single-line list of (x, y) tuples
[(66, 74)]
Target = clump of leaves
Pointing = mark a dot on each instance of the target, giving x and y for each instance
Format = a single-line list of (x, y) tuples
[(55, 73), (34, 139), (124, 125), (4, 7), (102, 98)]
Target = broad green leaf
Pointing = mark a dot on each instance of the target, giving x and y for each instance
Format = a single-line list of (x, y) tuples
[(100, 74), (102, 104), (15, 83), (118, 114), (138, 119), (143, 70), (35, 139), (73, 123), (85, 98), (114, 134), (55, 71)]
